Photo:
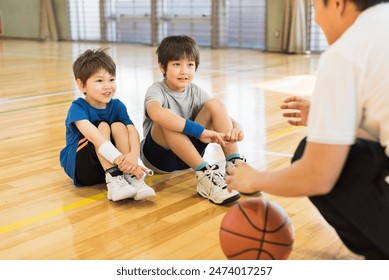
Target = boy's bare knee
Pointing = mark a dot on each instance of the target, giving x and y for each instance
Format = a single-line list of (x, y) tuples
[(103, 126), (118, 128), (214, 104)]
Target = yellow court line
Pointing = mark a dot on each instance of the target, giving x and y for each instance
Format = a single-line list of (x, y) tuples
[(52, 213), (283, 131), (40, 217)]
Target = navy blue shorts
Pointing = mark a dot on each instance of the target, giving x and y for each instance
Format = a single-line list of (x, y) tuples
[(166, 160)]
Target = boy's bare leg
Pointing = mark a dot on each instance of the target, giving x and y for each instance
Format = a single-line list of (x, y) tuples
[(214, 116), (106, 131), (117, 189), (179, 143), (121, 137)]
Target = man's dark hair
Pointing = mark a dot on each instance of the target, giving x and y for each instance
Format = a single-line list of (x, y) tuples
[(92, 61), (176, 48), (363, 4)]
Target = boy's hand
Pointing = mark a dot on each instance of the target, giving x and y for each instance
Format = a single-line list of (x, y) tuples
[(210, 136), (140, 171), (127, 163), (234, 135)]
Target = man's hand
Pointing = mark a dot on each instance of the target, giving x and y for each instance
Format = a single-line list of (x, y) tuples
[(301, 110)]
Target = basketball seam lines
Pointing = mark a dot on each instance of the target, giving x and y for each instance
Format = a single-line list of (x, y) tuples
[(262, 240), (256, 239)]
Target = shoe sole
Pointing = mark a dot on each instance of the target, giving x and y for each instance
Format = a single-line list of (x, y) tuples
[(130, 195), (226, 201), (257, 193), (145, 194)]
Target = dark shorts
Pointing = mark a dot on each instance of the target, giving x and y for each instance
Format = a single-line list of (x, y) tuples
[(166, 160), (88, 167), (358, 205)]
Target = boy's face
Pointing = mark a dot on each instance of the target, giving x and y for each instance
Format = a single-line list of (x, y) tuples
[(99, 88), (179, 74)]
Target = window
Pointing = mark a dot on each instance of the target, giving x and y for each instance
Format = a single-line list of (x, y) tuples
[(317, 39), (212, 23)]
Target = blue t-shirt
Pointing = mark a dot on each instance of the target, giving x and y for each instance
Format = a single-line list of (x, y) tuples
[(115, 111)]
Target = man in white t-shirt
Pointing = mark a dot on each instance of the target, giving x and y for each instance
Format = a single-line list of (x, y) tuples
[(343, 164)]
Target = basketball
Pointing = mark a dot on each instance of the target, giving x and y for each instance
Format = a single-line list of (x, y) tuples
[(256, 229)]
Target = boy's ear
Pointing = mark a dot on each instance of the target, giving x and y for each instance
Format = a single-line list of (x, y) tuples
[(162, 68), (80, 85)]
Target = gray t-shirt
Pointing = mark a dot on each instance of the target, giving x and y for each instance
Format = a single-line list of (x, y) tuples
[(185, 104)]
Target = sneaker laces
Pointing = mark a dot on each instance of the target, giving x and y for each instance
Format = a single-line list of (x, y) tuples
[(136, 183), (120, 180), (215, 176)]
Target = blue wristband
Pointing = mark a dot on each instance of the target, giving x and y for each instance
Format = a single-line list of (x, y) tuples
[(193, 129)]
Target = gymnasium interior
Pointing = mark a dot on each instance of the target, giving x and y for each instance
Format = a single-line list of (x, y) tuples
[(253, 55)]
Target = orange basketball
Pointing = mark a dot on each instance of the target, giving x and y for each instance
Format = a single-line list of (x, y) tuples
[(256, 229)]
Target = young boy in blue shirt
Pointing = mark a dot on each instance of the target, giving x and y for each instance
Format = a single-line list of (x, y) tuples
[(102, 143)]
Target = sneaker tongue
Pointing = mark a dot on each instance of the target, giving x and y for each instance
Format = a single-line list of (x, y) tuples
[(114, 171), (213, 167), (216, 177)]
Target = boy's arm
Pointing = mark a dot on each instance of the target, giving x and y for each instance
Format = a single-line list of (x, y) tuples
[(109, 152), (90, 132), (129, 162), (168, 119), (134, 141), (165, 117)]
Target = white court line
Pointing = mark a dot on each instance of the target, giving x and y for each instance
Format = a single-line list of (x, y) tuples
[(276, 154), (35, 97), (36, 55)]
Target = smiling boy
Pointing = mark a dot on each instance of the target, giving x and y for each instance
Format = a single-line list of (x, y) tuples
[(181, 119), (102, 143)]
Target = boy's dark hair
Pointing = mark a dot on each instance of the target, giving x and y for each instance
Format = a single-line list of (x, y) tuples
[(363, 4), (92, 61), (178, 47)]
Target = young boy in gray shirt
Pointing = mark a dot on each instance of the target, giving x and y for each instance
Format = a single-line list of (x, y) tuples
[(181, 119)]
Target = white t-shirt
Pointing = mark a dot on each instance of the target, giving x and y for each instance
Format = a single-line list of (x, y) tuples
[(351, 95)]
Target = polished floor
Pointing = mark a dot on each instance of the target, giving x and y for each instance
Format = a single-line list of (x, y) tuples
[(44, 216)]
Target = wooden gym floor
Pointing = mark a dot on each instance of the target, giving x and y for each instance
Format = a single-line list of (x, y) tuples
[(44, 216)]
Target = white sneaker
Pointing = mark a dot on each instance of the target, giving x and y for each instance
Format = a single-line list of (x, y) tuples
[(231, 163), (142, 190), (212, 185), (118, 187)]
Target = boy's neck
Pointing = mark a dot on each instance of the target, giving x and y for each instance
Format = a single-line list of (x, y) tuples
[(177, 91)]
